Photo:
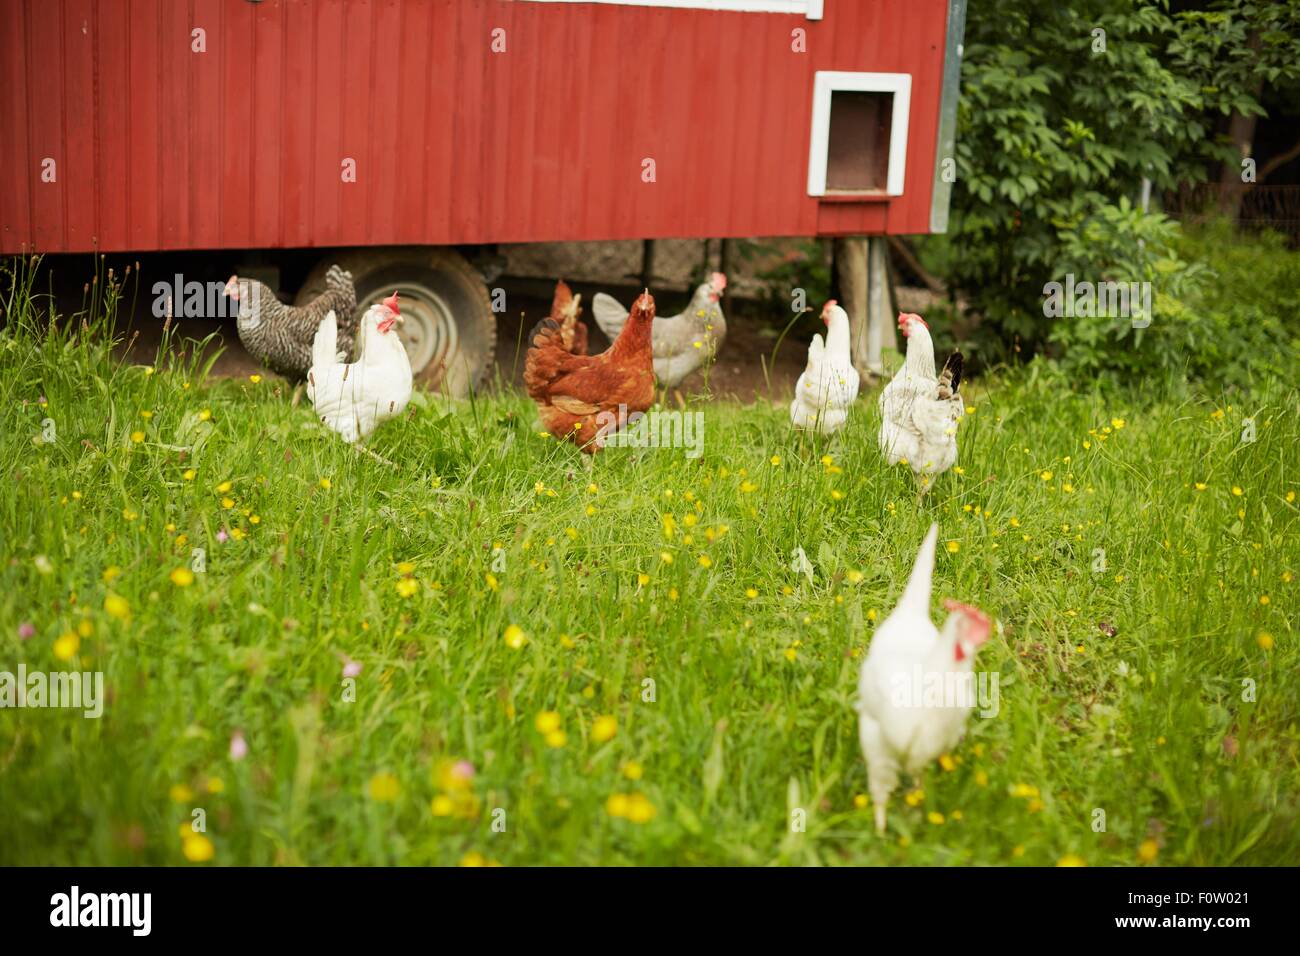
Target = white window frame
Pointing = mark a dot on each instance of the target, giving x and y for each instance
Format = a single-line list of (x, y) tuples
[(810, 9), (827, 82)]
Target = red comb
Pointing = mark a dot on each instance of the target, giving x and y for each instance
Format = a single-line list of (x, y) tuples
[(980, 623), (391, 302)]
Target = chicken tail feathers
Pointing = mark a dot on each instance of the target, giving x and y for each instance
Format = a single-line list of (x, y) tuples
[(951, 374), (916, 596), (324, 347), (609, 315), (339, 279), (542, 333), (545, 356)]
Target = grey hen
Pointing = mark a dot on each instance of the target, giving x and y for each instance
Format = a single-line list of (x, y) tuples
[(280, 336)]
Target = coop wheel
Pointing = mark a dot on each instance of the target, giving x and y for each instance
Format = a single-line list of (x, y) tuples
[(448, 327)]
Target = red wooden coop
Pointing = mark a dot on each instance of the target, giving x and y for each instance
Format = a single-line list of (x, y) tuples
[(403, 133)]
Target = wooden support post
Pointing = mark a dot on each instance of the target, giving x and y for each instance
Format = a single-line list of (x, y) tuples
[(724, 257), (881, 323), (862, 264), (647, 263), (851, 269)]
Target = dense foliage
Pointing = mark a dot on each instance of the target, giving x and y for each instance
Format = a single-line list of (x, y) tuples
[(1064, 112)]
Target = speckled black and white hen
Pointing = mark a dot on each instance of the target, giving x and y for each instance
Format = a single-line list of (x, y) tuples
[(280, 336)]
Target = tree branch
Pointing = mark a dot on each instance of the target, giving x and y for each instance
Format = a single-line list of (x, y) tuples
[(1277, 162)]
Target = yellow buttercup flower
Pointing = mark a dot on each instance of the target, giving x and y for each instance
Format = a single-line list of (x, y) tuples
[(117, 607), (384, 788), (604, 728), (197, 848), (1148, 850), (639, 809), (182, 577), (66, 646), (1071, 859), (407, 587), (515, 637)]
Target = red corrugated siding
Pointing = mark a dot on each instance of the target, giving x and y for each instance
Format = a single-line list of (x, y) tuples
[(162, 148)]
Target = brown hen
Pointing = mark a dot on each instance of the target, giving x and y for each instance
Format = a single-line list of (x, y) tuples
[(584, 398)]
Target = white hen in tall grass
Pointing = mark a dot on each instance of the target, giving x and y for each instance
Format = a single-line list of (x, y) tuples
[(919, 411), (354, 399), (828, 386), (916, 687)]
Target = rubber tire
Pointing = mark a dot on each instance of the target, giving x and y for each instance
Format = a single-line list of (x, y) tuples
[(449, 277)]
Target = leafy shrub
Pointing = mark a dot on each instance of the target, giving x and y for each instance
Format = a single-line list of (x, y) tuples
[(1065, 110)]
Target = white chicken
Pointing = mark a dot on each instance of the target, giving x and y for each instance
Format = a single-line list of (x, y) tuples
[(681, 343), (354, 399), (900, 726), (829, 384), (919, 412)]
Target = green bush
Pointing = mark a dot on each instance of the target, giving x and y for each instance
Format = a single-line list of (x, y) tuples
[(1064, 112)]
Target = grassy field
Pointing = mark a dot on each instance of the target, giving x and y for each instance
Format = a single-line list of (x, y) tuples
[(500, 651)]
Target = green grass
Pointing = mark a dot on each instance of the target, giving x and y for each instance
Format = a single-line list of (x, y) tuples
[(738, 735)]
